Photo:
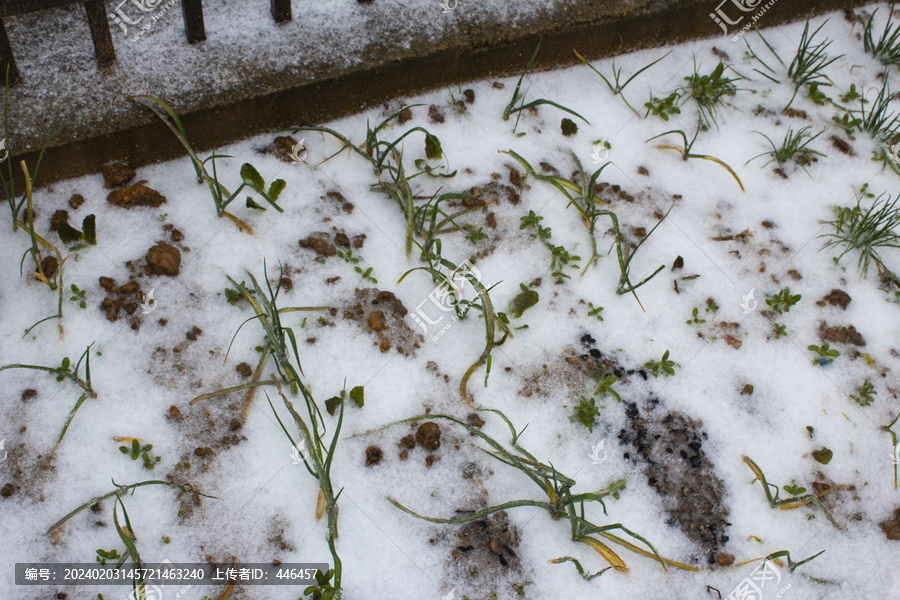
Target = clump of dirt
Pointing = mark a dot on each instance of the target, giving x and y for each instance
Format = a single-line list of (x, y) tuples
[(282, 147), (121, 298), (691, 492), (164, 259), (841, 334), (116, 174), (76, 201), (58, 218), (135, 195), (891, 526), (382, 314), (49, 266), (435, 114), (836, 298), (320, 244), (488, 193), (244, 370), (373, 456), (276, 535), (842, 145), (607, 190), (428, 435)]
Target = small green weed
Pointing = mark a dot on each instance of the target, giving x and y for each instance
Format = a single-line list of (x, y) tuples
[(587, 412), (825, 352), (782, 301), (143, 451), (867, 231), (865, 393), (664, 366), (779, 331), (594, 311), (887, 48), (788, 503), (695, 318), (710, 91), (78, 296), (663, 107), (519, 99)]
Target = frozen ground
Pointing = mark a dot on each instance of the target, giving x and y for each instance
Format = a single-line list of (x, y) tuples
[(144, 364)]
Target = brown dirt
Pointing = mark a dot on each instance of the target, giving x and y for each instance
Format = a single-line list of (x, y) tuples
[(282, 146), (320, 244), (135, 195), (164, 259), (373, 456), (76, 201), (841, 334), (891, 526), (116, 174), (836, 298), (428, 435), (382, 314)]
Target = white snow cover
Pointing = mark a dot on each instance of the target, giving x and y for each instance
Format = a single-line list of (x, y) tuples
[(385, 552)]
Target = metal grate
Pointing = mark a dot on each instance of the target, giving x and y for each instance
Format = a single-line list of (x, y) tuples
[(98, 20)]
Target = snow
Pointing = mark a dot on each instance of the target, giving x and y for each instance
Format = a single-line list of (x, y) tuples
[(385, 552)]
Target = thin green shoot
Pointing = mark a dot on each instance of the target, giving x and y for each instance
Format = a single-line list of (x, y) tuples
[(788, 503), (560, 503), (221, 196), (810, 62), (620, 86), (65, 371), (511, 108), (887, 48), (867, 231), (793, 147), (686, 153)]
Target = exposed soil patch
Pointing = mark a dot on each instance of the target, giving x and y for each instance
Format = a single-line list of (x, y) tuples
[(841, 334), (841, 145), (282, 147), (836, 298), (571, 368), (135, 195), (382, 314), (120, 299), (670, 448), (891, 526), (116, 174)]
